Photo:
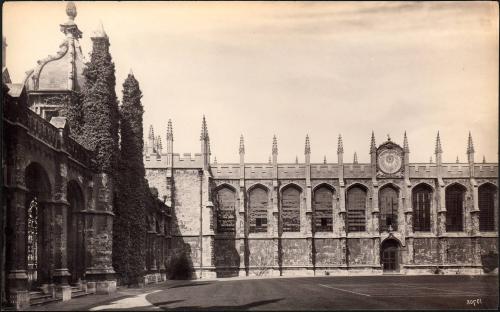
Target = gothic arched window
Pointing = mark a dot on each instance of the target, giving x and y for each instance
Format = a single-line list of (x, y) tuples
[(455, 195), (225, 201), (290, 209), (487, 201), (356, 209), (422, 196), (323, 209), (258, 202), (388, 204)]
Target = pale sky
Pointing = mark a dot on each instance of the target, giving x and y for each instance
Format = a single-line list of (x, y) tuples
[(291, 69)]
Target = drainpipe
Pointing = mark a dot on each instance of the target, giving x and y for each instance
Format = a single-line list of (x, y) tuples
[(200, 172)]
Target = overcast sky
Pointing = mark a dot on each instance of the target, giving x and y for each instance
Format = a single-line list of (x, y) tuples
[(291, 69)]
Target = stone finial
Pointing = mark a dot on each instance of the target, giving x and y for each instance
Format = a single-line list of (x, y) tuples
[(340, 145), (470, 145), (275, 145), (71, 10), (70, 27), (242, 145), (170, 132), (100, 32), (324, 159), (457, 161), (355, 161), (307, 149), (484, 159), (406, 148), (373, 147), (208, 146), (151, 133), (388, 137), (296, 159), (204, 129), (215, 160), (438, 149), (131, 73), (430, 160), (269, 159)]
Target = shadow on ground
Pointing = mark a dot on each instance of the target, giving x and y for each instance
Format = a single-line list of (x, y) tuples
[(190, 284), (247, 306)]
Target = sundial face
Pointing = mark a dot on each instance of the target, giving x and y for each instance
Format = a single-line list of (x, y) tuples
[(389, 161)]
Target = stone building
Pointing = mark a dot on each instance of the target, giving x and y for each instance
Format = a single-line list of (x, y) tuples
[(58, 233), (389, 215)]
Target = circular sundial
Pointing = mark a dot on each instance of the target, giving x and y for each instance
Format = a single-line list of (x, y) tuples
[(389, 161)]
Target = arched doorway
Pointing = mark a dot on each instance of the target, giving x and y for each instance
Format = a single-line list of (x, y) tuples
[(75, 227), (390, 255), (38, 259)]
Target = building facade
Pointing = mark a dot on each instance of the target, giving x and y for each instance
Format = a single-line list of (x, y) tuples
[(57, 240), (389, 215)]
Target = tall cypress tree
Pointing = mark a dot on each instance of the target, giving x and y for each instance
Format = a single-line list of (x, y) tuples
[(129, 244), (100, 106)]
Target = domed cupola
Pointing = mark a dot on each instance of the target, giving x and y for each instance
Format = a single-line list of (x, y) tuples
[(60, 74)]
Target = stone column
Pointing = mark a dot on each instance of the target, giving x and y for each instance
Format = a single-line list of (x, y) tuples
[(308, 229), (99, 237), (242, 226), (60, 208), (17, 279), (276, 230)]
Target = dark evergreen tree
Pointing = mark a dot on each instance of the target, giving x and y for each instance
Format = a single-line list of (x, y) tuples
[(129, 233), (100, 106)]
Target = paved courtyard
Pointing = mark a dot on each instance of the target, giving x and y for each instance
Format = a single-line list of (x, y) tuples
[(307, 293)]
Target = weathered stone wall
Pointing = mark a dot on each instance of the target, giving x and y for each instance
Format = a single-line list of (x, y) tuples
[(489, 244), (296, 252), (158, 178), (360, 251), (187, 245), (426, 250), (460, 251), (186, 205), (262, 253), (225, 253), (329, 251)]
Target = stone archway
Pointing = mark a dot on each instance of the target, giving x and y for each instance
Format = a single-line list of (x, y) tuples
[(390, 255), (37, 226)]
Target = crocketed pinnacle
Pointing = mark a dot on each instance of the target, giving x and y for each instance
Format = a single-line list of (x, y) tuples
[(457, 161), (99, 32), (242, 144), (269, 159), (158, 143), (204, 130), (373, 147), (470, 145), (430, 160), (340, 145), (355, 158), (307, 149), (275, 145), (324, 159), (215, 160), (170, 132), (484, 159), (406, 148), (296, 159), (438, 149), (151, 133)]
